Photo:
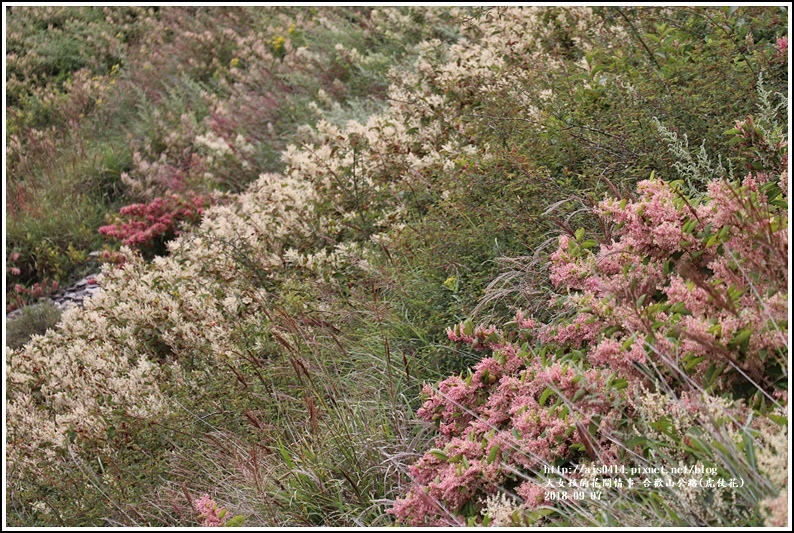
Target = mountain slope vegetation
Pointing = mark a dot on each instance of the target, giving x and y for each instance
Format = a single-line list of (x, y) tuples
[(400, 266)]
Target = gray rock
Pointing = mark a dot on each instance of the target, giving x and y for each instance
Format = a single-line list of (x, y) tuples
[(68, 297)]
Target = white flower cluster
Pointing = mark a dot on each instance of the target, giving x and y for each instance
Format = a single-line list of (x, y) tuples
[(63, 385), (772, 451), (216, 144), (770, 443), (148, 179), (501, 510)]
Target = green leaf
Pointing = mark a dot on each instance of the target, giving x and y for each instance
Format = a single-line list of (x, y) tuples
[(625, 345), (235, 521), (742, 338), (693, 363), (579, 234), (578, 394), (285, 455), (636, 441), (710, 374), (664, 425), (438, 454), (468, 327), (545, 395), (698, 445), (620, 384), (749, 449), (492, 454), (493, 338)]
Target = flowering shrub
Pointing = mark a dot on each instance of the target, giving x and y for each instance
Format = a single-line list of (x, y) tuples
[(66, 387), (701, 281), (22, 295), (186, 305), (506, 419), (150, 224), (113, 258), (695, 291), (782, 46)]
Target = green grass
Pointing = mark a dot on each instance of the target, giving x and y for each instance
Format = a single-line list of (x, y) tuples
[(34, 320)]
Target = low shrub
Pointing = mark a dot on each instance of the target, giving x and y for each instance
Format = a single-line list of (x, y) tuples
[(149, 226), (687, 298)]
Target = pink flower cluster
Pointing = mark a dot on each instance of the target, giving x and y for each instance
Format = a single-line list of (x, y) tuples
[(209, 514), (23, 295), (696, 287), (480, 337), (114, 258), (753, 143), (14, 271), (514, 411), (782, 46), (158, 219), (703, 281)]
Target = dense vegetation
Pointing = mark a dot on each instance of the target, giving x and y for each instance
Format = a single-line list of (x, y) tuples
[(419, 266)]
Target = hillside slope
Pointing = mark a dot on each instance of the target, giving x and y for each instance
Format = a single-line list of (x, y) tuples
[(558, 243)]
